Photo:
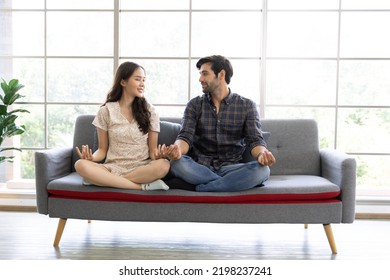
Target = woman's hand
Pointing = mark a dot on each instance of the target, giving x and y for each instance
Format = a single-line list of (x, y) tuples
[(160, 152), (85, 152)]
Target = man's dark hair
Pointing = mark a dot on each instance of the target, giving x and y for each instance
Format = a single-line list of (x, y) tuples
[(218, 63)]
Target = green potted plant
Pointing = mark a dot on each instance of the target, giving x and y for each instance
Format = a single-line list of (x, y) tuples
[(8, 127)]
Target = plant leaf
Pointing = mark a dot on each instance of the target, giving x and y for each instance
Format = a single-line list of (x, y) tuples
[(4, 86), (10, 148), (9, 159), (18, 110), (3, 110), (14, 97), (8, 97), (16, 88), (15, 131), (13, 83), (9, 120)]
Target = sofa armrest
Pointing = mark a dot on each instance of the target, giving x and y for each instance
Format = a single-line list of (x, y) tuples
[(340, 169), (49, 165)]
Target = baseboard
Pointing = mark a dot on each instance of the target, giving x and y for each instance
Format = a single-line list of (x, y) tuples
[(16, 208), (17, 199), (370, 207), (368, 216)]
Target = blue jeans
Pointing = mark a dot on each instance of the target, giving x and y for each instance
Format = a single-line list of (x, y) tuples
[(230, 178)]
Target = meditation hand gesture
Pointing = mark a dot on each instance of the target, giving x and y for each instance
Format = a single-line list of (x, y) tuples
[(85, 153), (266, 158)]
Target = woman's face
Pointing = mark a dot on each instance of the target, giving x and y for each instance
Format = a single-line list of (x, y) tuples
[(135, 84)]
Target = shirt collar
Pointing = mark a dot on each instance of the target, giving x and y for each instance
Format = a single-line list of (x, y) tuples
[(227, 99)]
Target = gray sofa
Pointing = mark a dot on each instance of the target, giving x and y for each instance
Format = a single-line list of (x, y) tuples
[(308, 185)]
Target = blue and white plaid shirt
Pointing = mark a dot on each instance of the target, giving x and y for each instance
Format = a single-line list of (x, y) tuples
[(220, 139)]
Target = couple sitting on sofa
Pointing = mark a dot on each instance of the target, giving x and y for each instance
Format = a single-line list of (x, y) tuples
[(208, 152)]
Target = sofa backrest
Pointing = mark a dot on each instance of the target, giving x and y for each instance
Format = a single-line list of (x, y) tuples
[(295, 145), (85, 133), (294, 142)]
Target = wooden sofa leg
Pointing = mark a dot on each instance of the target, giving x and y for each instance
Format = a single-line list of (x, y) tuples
[(306, 226), (329, 235), (60, 230)]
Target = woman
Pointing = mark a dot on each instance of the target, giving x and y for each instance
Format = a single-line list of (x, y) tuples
[(127, 127)]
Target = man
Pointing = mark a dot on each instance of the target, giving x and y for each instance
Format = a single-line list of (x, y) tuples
[(216, 128)]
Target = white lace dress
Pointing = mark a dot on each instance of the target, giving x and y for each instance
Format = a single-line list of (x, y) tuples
[(128, 146)]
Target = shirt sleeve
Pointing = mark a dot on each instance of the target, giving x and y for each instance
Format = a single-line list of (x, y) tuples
[(252, 129), (101, 118), (189, 121), (154, 119)]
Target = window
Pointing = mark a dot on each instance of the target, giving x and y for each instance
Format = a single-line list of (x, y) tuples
[(293, 58)]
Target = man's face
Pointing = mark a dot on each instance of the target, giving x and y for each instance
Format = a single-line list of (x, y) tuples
[(207, 78)]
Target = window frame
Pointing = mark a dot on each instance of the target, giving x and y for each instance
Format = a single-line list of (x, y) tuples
[(262, 59)]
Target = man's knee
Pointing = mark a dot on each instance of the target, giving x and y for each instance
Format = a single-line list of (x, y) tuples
[(179, 164), (262, 172)]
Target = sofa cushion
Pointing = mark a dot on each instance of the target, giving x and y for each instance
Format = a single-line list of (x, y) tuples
[(278, 189)]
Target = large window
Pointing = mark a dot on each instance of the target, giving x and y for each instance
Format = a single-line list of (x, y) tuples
[(329, 60), (323, 59)]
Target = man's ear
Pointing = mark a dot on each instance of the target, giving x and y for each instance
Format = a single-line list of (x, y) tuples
[(221, 75)]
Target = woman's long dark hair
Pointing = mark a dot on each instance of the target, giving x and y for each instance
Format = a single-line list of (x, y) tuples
[(140, 105)]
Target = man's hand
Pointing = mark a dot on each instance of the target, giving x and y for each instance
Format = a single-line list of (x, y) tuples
[(266, 158), (173, 152)]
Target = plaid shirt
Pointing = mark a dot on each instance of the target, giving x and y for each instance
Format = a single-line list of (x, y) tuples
[(220, 139)]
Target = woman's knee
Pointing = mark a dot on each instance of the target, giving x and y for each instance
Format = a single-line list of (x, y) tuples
[(79, 165), (162, 167)]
